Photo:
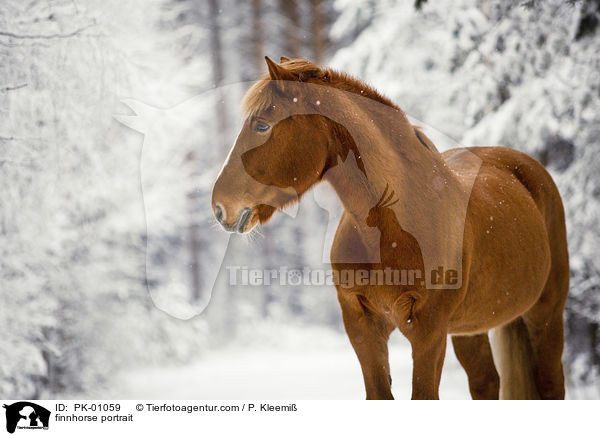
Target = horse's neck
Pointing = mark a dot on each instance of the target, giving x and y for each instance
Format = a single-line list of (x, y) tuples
[(403, 163)]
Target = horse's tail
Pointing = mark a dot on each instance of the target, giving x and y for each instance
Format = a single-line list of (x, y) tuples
[(514, 359)]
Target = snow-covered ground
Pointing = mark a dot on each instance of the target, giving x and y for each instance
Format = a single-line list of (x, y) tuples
[(323, 367)]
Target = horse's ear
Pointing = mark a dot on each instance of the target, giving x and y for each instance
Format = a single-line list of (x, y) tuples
[(284, 59), (277, 72)]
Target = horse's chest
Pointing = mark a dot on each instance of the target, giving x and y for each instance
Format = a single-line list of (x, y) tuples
[(394, 303), (383, 287)]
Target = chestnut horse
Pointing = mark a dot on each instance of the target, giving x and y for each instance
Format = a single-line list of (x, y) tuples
[(491, 216)]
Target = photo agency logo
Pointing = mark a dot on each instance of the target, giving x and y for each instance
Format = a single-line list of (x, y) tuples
[(25, 415), (397, 203), (344, 278)]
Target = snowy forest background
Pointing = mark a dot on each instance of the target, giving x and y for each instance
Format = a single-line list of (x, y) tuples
[(82, 240)]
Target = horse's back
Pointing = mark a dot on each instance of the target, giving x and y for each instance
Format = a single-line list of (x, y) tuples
[(536, 179), (530, 173)]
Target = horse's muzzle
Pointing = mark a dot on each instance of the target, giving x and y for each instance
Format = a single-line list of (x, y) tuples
[(240, 223)]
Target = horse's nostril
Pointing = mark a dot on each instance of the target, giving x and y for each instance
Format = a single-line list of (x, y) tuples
[(219, 213), (243, 219)]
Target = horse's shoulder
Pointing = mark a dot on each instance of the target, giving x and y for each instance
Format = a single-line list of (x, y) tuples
[(347, 243)]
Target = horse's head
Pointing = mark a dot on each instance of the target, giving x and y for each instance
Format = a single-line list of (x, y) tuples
[(281, 151)]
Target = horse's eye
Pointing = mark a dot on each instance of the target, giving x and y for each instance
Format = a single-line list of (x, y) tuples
[(261, 127)]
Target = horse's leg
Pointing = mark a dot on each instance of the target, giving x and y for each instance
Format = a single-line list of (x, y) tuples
[(544, 321), (428, 352), (369, 333), (546, 334), (475, 355), (425, 327)]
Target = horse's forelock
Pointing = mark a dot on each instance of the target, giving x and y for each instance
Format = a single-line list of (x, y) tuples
[(258, 98), (261, 95)]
